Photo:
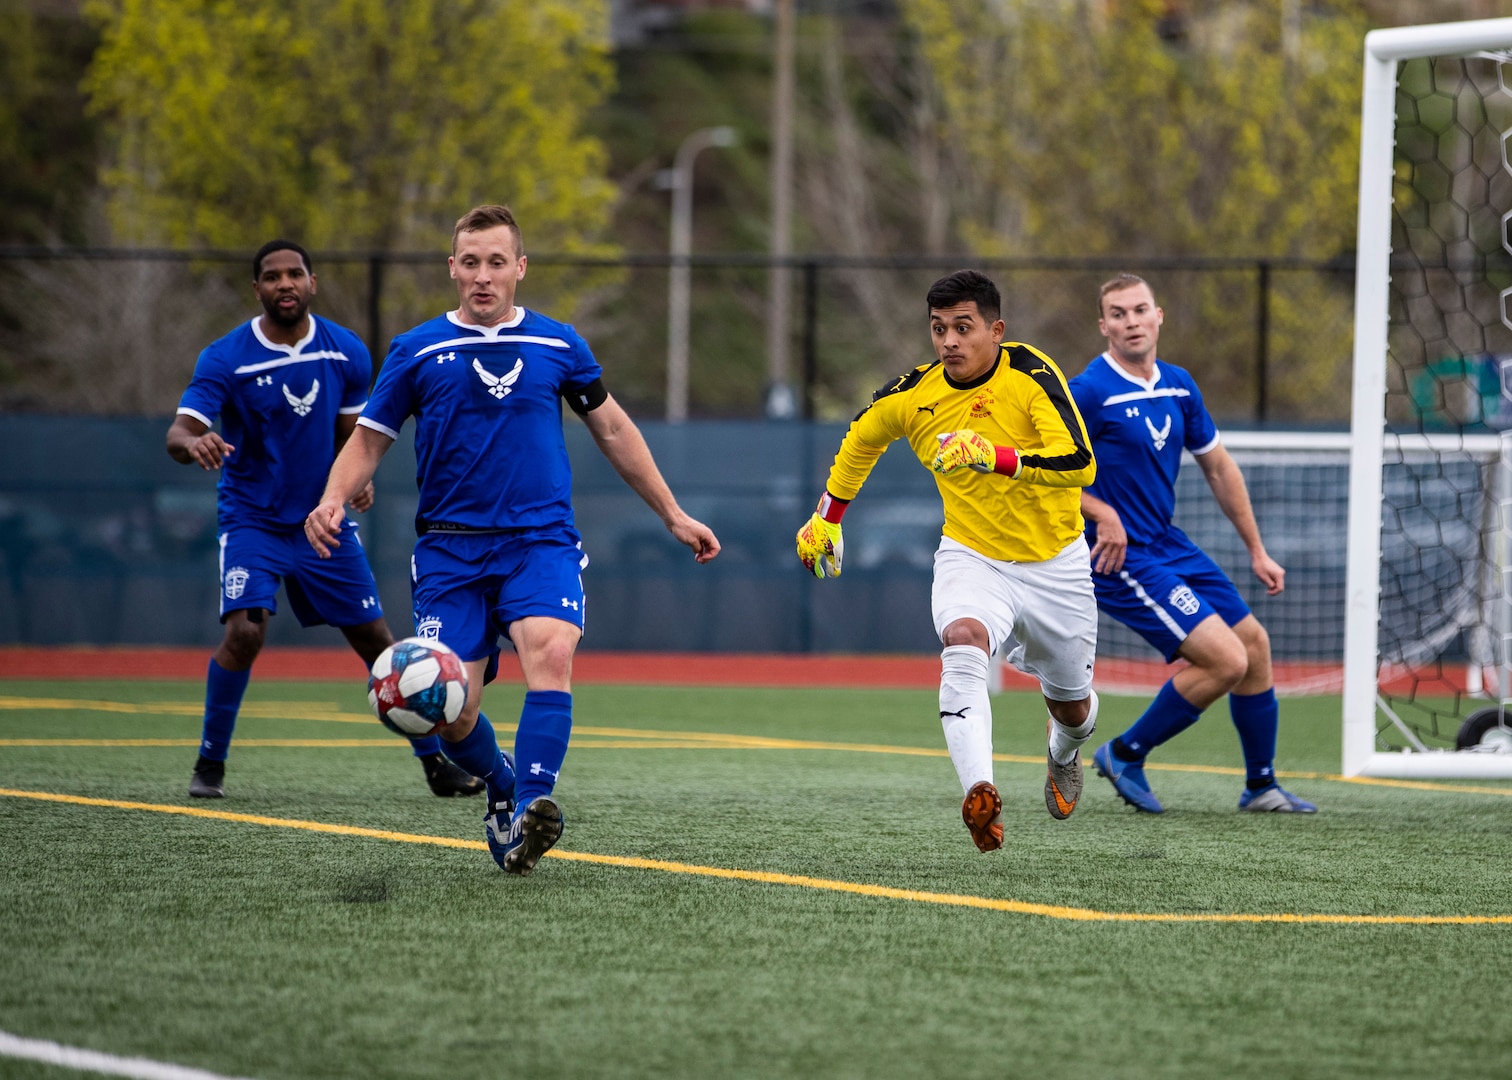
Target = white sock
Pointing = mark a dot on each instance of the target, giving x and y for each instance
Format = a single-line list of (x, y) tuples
[(1066, 741), (966, 713)]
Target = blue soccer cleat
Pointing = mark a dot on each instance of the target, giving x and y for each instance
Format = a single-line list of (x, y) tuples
[(531, 834), (496, 825), (1275, 799), (1128, 779)]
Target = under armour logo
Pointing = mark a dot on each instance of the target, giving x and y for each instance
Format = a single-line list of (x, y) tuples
[(499, 385), (537, 769), (369, 601), (444, 357), (301, 405), (265, 380), (573, 604), (1131, 410), (1161, 434)]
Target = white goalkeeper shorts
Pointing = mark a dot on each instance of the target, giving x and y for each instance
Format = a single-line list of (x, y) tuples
[(1040, 616)]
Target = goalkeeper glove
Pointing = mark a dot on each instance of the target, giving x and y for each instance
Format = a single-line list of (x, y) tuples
[(820, 543), (967, 448)]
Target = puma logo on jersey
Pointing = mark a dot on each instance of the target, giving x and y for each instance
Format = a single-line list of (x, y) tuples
[(301, 405), (500, 386), (927, 408), (1159, 435)]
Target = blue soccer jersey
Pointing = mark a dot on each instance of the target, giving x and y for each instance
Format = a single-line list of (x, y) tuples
[(278, 406), (1138, 431), (487, 405)]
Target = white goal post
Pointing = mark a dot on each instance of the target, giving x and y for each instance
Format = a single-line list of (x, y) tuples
[(1363, 706)]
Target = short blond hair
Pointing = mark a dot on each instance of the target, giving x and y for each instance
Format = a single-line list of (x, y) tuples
[(1118, 283), (487, 216)]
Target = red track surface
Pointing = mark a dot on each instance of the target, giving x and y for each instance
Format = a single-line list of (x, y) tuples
[(912, 671)]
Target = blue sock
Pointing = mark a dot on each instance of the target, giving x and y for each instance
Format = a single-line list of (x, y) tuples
[(541, 742), (426, 745), (1167, 716), (480, 755), (1257, 716), (223, 696)]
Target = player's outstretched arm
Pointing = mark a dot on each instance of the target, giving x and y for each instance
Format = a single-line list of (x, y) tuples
[(1112, 539), (351, 472), (191, 442), (346, 423), (1227, 482), (621, 442)]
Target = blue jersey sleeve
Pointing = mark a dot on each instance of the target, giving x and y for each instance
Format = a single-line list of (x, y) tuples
[(1085, 396), (208, 390), (585, 369), (1201, 432), (392, 400), (359, 374)]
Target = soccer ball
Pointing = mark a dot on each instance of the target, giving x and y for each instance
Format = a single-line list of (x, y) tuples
[(417, 687)]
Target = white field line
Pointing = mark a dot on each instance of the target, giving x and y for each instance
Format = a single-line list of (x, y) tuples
[(71, 1057)]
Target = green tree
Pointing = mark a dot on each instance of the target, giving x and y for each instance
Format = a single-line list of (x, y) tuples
[(1091, 129), (352, 123)]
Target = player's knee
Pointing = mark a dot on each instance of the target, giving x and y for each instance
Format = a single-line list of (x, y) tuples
[(966, 632), (1256, 641), (1230, 663), (243, 641)]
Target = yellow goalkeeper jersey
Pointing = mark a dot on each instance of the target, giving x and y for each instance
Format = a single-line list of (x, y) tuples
[(1022, 402)]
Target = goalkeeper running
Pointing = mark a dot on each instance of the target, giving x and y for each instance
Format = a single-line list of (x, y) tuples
[(996, 423)]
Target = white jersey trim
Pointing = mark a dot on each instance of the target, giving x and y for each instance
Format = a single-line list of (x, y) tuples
[(368, 422), (293, 354), (494, 339), (1210, 447), (508, 324), (184, 410), (350, 409), (1147, 395)]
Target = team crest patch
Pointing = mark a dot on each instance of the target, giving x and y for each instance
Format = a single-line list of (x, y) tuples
[(981, 405), (1184, 600), (301, 405), (500, 386), (235, 582), (428, 628)]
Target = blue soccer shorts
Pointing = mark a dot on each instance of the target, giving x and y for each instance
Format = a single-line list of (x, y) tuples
[(468, 587), (1165, 590), (339, 590)]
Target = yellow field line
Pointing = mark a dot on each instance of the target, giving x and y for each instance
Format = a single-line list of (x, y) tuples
[(882, 892), (622, 739)]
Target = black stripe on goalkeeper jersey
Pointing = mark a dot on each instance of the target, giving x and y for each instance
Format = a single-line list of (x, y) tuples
[(906, 381), (1021, 359)]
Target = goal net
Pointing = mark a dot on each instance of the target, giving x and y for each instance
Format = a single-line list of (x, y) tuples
[(1427, 627)]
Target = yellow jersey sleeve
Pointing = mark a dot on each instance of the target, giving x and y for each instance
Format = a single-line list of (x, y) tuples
[(874, 429)]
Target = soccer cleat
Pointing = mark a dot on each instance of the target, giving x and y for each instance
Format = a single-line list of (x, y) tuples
[(209, 779), (446, 779), (531, 834), (496, 825), (1063, 785), (982, 811), (1275, 799), (1128, 779)]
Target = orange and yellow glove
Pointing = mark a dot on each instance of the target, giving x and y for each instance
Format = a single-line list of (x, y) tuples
[(967, 449), (820, 544)]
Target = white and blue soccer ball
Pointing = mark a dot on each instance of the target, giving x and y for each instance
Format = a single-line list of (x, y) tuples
[(417, 687)]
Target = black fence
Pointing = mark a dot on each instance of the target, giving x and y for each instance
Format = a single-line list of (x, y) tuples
[(1269, 339)]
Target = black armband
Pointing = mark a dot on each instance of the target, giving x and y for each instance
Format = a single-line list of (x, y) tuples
[(584, 399)]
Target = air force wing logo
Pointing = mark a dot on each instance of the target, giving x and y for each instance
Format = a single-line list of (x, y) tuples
[(1159, 435), (499, 385), (301, 405)]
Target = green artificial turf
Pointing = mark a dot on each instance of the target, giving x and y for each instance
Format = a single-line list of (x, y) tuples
[(272, 952)]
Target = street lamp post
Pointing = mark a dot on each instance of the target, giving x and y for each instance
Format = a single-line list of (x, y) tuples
[(679, 276)]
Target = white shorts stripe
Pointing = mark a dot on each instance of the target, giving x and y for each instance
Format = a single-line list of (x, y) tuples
[(1150, 602), (69, 1057)]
